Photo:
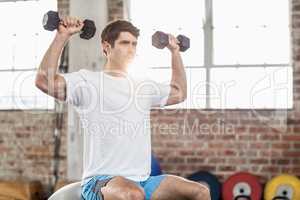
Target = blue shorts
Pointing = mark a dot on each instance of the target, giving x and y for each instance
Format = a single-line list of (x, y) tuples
[(91, 189)]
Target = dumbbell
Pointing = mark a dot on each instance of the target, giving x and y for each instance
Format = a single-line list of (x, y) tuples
[(160, 40), (51, 21)]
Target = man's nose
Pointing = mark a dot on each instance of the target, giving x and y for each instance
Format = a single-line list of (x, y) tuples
[(132, 49)]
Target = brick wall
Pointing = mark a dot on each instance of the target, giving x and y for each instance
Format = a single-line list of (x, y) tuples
[(26, 146), (223, 142)]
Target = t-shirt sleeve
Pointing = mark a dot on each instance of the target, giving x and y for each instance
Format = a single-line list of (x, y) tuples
[(75, 84), (161, 92)]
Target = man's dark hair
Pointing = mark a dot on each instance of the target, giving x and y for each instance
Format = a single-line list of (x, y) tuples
[(112, 31)]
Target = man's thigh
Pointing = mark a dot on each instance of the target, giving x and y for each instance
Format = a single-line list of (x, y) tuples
[(122, 188), (177, 188), (115, 188)]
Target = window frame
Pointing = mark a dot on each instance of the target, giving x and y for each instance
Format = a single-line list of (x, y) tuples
[(208, 31), (32, 69)]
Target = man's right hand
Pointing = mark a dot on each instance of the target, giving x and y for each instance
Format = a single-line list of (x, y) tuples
[(68, 26)]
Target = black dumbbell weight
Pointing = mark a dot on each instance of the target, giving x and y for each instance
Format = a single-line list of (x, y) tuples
[(51, 21), (160, 40)]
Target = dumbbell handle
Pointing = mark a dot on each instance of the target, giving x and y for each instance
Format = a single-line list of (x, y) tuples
[(161, 39), (88, 29)]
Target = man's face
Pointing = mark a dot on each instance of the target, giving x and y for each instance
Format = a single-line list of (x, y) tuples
[(124, 49)]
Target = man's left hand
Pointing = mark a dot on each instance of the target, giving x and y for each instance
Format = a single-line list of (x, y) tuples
[(173, 45)]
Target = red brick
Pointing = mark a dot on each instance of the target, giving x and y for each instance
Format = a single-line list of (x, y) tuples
[(167, 167), (174, 144), (194, 160), (280, 161), (270, 169), (227, 168), (269, 137), (296, 161), (206, 153), (175, 160), (164, 152), (241, 129), (227, 152), (182, 167), (270, 153), (186, 152), (281, 145), (259, 130), (259, 161), (216, 145), (158, 144), (227, 137), (206, 137), (247, 137), (216, 161), (210, 168), (291, 170), (247, 153), (291, 138), (195, 144), (291, 154), (297, 129), (259, 145), (237, 161), (297, 145)]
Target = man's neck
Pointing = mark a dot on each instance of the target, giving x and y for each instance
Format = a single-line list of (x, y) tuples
[(115, 69)]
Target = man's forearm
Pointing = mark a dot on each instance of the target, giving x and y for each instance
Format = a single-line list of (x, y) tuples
[(49, 64), (178, 73)]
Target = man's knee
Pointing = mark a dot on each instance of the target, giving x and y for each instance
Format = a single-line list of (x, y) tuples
[(201, 192), (133, 193)]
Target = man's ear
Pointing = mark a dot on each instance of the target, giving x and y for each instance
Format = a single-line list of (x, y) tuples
[(105, 47)]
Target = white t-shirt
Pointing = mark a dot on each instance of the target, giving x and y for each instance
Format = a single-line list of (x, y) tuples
[(115, 116)]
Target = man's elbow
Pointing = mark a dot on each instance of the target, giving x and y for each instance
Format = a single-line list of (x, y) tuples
[(41, 82), (180, 93), (182, 96)]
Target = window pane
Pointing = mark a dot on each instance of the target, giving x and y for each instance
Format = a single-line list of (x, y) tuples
[(251, 87), (25, 51), (6, 50), (23, 44), (23, 40), (174, 22), (26, 95), (31, 18), (195, 86), (42, 43), (230, 13), (276, 45), (246, 38), (251, 45), (7, 12)]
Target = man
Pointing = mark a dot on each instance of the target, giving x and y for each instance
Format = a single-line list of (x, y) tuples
[(117, 157)]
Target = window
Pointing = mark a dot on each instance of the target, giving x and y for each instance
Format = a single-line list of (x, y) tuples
[(239, 55), (23, 44)]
